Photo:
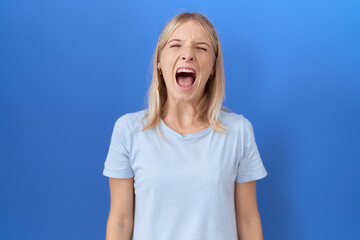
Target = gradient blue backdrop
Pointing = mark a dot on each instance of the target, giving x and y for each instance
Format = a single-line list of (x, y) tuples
[(69, 69)]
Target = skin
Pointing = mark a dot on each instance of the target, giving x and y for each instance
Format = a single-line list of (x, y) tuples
[(248, 220), (180, 111), (181, 104), (120, 222)]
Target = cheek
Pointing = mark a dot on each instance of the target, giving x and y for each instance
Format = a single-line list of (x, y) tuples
[(207, 60), (166, 62), (206, 68)]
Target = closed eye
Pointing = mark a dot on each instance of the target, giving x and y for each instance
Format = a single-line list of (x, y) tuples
[(202, 48)]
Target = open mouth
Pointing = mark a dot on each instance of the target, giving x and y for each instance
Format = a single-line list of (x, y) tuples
[(185, 79)]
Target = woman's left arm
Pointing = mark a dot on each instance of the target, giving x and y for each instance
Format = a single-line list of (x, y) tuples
[(247, 215)]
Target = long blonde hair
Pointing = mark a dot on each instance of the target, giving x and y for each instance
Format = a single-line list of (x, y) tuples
[(210, 103)]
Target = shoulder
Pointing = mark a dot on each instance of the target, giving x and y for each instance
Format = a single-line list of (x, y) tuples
[(234, 121), (130, 121)]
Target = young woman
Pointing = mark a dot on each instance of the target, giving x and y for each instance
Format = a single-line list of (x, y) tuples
[(185, 168)]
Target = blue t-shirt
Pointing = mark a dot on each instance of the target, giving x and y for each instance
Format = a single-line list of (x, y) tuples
[(184, 189)]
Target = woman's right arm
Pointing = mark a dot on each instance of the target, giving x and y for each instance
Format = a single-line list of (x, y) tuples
[(121, 217)]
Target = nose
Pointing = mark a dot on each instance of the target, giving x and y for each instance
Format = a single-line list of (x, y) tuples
[(188, 54)]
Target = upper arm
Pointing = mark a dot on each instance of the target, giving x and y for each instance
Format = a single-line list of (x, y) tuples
[(121, 200), (250, 165), (245, 201)]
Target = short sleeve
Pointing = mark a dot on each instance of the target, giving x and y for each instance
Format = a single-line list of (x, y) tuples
[(117, 163), (250, 165)]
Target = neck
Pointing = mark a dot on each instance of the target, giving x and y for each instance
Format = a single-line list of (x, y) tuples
[(181, 114)]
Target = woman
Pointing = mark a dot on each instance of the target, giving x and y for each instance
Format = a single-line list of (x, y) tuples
[(185, 167)]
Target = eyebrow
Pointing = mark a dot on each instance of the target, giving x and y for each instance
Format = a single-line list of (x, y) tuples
[(179, 40)]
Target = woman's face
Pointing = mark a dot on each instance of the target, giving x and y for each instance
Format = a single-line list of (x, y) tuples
[(186, 62)]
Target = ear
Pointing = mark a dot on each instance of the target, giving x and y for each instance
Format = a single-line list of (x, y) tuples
[(158, 65), (214, 68)]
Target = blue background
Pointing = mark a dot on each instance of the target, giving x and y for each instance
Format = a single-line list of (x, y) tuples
[(69, 69)]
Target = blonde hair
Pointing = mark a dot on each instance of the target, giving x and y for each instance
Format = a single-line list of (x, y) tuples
[(210, 103)]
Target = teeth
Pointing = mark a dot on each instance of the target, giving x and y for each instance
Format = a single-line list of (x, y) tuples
[(185, 70)]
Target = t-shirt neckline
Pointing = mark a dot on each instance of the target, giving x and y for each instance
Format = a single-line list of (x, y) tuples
[(186, 136)]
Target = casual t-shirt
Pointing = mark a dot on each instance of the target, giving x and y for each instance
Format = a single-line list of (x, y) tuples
[(184, 188)]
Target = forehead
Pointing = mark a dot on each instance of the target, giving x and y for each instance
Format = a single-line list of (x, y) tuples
[(190, 29)]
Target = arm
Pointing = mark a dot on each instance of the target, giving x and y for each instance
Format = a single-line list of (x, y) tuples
[(247, 215), (121, 217)]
